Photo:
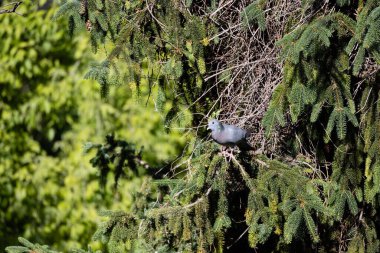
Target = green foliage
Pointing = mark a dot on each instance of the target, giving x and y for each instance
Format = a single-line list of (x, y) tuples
[(254, 12), (113, 156), (308, 52), (101, 17), (48, 190), (275, 112), (283, 203), (319, 193), (325, 60), (181, 210), (29, 247), (283, 193), (158, 43), (366, 35), (38, 108)]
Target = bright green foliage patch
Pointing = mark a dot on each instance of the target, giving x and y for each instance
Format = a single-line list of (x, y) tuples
[(49, 193)]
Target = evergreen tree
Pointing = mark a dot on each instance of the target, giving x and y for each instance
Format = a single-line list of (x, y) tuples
[(318, 191)]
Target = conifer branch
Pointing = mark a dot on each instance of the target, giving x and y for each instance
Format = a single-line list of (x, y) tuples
[(198, 200)]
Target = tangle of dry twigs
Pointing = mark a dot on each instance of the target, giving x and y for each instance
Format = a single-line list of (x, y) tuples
[(250, 58)]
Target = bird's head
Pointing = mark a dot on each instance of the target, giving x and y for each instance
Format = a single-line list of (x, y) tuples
[(214, 125)]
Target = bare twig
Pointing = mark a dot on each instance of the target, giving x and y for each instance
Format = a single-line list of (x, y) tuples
[(150, 8), (244, 232)]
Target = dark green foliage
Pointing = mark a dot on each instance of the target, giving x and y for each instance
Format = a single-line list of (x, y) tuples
[(283, 193), (283, 203), (255, 13), (114, 156), (182, 209), (366, 35), (104, 17), (326, 60), (156, 42), (100, 73), (343, 2), (309, 54)]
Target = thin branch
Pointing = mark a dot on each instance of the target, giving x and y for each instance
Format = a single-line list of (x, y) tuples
[(198, 200), (238, 66), (244, 232), (13, 9)]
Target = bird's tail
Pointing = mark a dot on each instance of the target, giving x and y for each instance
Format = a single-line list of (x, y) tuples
[(248, 133), (245, 146)]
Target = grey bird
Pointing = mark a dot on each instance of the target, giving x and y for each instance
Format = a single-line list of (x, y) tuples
[(229, 135)]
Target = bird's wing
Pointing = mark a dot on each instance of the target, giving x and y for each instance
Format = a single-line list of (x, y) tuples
[(239, 137), (220, 137), (234, 134)]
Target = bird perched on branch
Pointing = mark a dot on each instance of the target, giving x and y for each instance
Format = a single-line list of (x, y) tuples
[(229, 135)]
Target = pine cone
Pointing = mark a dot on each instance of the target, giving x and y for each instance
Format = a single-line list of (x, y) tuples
[(88, 25)]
